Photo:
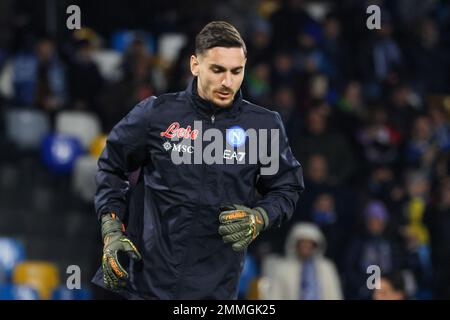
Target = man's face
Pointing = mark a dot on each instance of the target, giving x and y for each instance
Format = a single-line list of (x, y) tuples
[(305, 248), (316, 122), (45, 50), (220, 72), (317, 169)]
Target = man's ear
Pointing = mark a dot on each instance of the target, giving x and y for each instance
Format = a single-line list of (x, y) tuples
[(194, 65)]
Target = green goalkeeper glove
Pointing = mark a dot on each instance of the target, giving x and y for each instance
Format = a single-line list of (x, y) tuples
[(240, 225), (115, 242)]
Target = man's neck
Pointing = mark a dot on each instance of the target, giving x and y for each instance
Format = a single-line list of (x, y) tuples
[(200, 92)]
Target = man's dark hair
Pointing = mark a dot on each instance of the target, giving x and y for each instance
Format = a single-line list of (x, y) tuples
[(218, 34)]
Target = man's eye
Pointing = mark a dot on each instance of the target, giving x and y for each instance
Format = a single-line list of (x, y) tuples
[(237, 72), (216, 70)]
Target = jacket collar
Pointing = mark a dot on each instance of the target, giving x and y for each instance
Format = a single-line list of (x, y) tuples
[(207, 107)]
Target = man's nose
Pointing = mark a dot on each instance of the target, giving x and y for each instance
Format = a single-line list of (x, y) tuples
[(227, 82)]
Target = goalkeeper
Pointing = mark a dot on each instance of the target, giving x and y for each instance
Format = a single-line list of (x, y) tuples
[(186, 229)]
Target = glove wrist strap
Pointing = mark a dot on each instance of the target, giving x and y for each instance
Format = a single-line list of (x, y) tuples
[(264, 216), (111, 224)]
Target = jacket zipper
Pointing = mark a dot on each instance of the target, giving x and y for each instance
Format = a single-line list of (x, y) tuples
[(213, 115)]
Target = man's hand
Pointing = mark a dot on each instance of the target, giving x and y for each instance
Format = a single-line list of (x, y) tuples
[(114, 274), (240, 225)]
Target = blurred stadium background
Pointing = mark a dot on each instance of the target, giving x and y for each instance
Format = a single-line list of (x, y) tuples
[(366, 112)]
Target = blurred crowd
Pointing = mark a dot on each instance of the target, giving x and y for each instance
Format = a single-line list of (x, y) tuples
[(366, 112)]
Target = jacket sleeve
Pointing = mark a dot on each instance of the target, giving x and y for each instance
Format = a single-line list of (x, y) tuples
[(281, 190), (125, 151)]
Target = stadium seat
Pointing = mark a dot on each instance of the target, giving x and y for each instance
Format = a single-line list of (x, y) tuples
[(83, 178), (122, 39), (81, 124), (169, 45), (109, 63), (11, 252), (269, 264), (97, 145), (59, 152), (260, 288), (62, 293), (26, 128), (40, 275), (17, 292), (255, 289)]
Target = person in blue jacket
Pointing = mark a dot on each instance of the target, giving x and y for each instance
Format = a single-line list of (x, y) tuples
[(215, 171)]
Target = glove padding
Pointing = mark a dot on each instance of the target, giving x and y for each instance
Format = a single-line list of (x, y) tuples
[(240, 225), (115, 275)]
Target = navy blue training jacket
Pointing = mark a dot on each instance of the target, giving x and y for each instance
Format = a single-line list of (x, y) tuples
[(172, 216)]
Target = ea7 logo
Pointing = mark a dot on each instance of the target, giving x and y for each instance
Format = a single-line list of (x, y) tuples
[(228, 154)]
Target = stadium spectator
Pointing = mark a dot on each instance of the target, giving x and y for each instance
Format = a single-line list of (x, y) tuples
[(332, 145), (438, 220), (305, 274), (35, 78), (392, 287), (375, 246), (85, 79)]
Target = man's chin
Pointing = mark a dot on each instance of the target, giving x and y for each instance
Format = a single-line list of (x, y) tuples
[(223, 103)]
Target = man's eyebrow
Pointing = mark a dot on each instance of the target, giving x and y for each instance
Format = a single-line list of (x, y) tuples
[(223, 68)]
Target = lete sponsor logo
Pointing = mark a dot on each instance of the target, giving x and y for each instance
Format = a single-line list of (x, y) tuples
[(175, 131)]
